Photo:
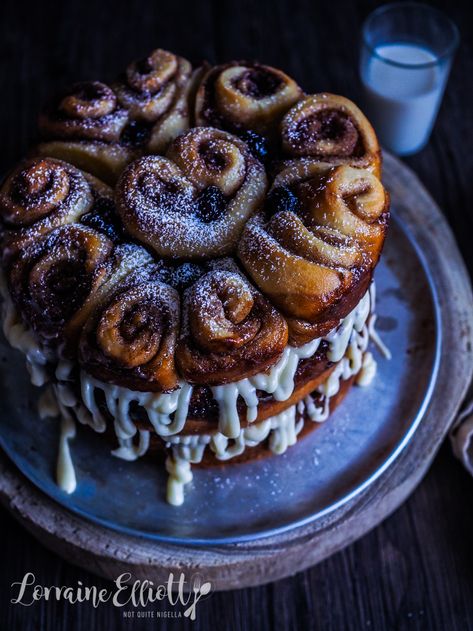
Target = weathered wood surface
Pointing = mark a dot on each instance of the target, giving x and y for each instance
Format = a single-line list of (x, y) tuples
[(233, 566)]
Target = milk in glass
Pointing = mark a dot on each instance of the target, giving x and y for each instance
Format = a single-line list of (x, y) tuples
[(402, 97)]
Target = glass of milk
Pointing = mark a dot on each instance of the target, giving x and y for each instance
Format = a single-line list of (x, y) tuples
[(406, 53)]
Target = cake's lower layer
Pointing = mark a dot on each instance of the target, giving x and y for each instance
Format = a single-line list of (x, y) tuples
[(261, 450)]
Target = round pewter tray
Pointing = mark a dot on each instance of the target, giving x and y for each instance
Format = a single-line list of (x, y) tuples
[(260, 521)]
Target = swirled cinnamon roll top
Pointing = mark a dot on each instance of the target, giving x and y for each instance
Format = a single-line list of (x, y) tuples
[(39, 195), (87, 126), (86, 111), (245, 96), (126, 264), (330, 128), (101, 128), (155, 92), (131, 339), (194, 202), (230, 331), (351, 201), (316, 245), (53, 276)]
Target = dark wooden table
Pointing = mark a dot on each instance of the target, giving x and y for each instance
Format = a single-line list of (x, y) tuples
[(415, 571)]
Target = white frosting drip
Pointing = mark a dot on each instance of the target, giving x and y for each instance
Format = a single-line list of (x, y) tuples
[(179, 474), (282, 430), (50, 405), (158, 406), (23, 339), (368, 370), (190, 447), (130, 451), (374, 335), (279, 380), (356, 362), (47, 404), (65, 472)]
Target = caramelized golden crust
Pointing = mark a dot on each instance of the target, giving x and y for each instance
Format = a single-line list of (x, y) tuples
[(245, 96), (330, 128), (352, 202), (195, 202), (300, 287), (131, 339), (229, 330), (324, 247)]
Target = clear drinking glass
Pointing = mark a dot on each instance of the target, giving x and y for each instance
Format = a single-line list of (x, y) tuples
[(407, 50)]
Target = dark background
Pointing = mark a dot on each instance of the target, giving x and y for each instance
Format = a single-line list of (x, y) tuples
[(415, 571)]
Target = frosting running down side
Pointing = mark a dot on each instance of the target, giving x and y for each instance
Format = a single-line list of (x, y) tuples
[(280, 430), (22, 338), (167, 412)]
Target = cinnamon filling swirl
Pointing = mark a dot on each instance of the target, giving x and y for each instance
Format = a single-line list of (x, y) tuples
[(131, 340), (229, 329), (88, 110), (326, 127), (39, 195), (245, 96), (53, 277)]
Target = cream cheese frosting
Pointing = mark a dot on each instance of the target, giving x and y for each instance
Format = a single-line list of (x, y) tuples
[(22, 338)]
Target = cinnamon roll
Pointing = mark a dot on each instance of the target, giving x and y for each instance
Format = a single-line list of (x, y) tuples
[(318, 245), (155, 91), (54, 275), (330, 128), (128, 263), (230, 331), (130, 340), (240, 96), (350, 200), (194, 202), (39, 195), (87, 126)]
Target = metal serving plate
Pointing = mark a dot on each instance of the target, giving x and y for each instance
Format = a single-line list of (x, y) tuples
[(232, 503)]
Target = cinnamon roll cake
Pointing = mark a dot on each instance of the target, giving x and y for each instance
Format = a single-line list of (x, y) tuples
[(187, 262)]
